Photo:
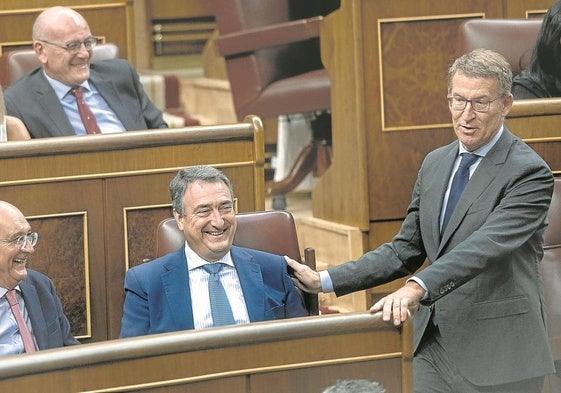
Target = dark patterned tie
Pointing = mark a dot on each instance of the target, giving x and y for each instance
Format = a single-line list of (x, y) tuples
[(24, 332), (219, 306), (85, 112), (458, 184)]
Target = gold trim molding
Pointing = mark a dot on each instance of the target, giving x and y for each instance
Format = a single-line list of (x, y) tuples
[(105, 175), (381, 67), (242, 372)]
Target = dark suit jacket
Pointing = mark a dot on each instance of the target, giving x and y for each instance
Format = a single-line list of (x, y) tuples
[(33, 100), (483, 281), (50, 326), (158, 294)]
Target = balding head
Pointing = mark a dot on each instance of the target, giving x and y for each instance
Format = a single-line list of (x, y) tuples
[(9, 213), (54, 29), (53, 21)]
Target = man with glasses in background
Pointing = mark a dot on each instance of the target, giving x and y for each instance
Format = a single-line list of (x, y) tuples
[(31, 315), (69, 95)]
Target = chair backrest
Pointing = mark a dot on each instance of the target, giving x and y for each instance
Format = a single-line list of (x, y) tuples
[(270, 231), (17, 63), (513, 38), (251, 72), (550, 268)]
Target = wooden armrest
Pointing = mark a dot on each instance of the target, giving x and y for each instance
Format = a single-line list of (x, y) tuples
[(535, 107), (268, 36)]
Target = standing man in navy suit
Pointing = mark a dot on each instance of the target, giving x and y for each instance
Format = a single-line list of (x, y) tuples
[(171, 293), (42, 99), (39, 303), (480, 324)]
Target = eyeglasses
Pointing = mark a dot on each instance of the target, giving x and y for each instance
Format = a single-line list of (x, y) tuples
[(74, 47), (21, 241), (458, 103)]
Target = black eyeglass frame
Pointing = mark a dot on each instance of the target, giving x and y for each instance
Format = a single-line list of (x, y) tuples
[(459, 103)]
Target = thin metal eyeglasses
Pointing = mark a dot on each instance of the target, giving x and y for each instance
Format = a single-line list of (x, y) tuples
[(458, 103), (74, 47), (21, 241)]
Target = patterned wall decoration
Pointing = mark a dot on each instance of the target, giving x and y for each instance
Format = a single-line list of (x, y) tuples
[(61, 253), (140, 227)]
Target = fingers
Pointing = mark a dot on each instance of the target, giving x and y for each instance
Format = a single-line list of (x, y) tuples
[(394, 309), (304, 277), (292, 263)]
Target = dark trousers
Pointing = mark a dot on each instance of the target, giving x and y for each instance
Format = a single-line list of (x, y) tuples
[(433, 372)]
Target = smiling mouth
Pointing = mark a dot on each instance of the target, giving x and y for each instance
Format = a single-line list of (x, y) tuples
[(20, 261), (218, 233)]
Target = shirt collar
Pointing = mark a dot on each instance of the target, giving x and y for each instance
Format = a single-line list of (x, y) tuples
[(4, 290), (61, 89), (194, 261)]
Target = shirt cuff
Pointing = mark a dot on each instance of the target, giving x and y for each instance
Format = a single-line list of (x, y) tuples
[(422, 284), (326, 283)]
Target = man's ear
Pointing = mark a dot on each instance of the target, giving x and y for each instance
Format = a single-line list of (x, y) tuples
[(177, 217), (507, 102), (40, 52)]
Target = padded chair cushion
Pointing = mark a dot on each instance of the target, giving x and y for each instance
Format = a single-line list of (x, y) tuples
[(298, 94), (271, 231), (513, 38)]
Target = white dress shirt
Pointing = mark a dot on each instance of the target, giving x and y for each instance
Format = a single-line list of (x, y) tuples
[(198, 282)]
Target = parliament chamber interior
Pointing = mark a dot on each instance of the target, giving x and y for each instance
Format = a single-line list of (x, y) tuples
[(231, 79)]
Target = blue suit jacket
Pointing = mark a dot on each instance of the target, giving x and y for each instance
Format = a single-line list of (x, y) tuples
[(33, 100), (50, 326), (158, 296)]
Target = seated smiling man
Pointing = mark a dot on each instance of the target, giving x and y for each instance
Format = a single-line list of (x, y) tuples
[(69, 96), (180, 291)]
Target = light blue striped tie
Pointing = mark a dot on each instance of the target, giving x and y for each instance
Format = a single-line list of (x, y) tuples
[(219, 305)]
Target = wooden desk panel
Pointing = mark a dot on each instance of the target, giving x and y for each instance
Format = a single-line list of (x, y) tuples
[(299, 355), (112, 21), (388, 62), (96, 202)]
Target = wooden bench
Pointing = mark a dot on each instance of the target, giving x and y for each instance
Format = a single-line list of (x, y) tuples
[(300, 355)]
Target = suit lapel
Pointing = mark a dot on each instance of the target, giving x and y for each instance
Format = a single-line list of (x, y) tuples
[(177, 291), (111, 95), (33, 306), (251, 282), (486, 171), (46, 97)]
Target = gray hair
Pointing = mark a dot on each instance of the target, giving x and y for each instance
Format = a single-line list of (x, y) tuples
[(355, 386), (186, 176), (483, 63)]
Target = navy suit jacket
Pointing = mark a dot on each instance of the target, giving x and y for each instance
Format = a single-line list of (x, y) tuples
[(158, 296), (33, 100), (483, 280), (50, 326)]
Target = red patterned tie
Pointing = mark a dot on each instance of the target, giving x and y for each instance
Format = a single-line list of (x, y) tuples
[(24, 332), (85, 112)]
